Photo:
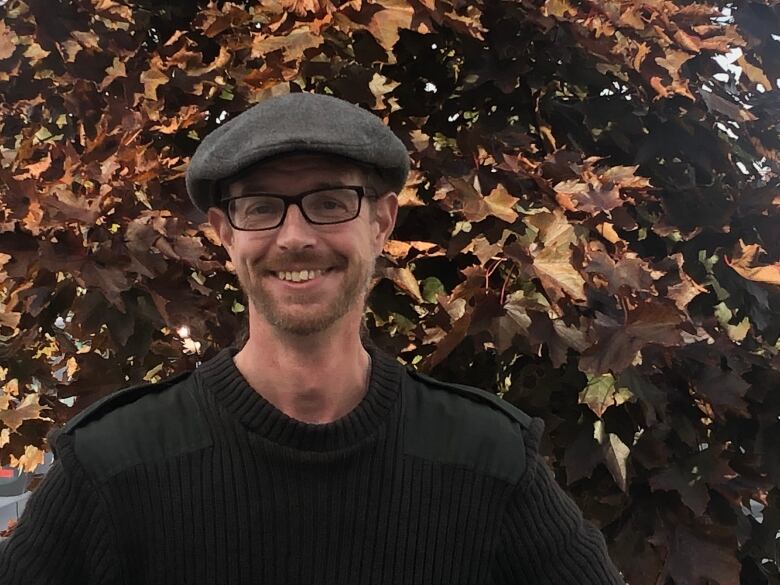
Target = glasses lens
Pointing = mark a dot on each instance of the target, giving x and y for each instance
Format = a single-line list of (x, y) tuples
[(256, 213), (331, 205)]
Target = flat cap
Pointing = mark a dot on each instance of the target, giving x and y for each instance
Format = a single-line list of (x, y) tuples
[(299, 122)]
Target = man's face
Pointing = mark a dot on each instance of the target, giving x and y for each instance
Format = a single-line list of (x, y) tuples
[(347, 251)]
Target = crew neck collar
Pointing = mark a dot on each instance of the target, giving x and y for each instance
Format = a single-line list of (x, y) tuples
[(220, 376)]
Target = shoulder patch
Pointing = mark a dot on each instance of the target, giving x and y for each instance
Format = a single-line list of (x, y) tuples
[(462, 425), (143, 423)]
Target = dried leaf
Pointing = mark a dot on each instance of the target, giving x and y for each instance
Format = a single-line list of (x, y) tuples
[(30, 460), (8, 41), (743, 264), (601, 393), (405, 280), (28, 409), (387, 23), (615, 454)]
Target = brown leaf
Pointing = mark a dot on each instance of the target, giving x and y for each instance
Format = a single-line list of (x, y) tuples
[(459, 194), (601, 393), (9, 318), (615, 453), (692, 559), (35, 170), (405, 280), (115, 70), (754, 74), (688, 42), (672, 61), (65, 205), (715, 103), (28, 409), (687, 483), (723, 389), (651, 322), (687, 289), (630, 272), (8, 41), (152, 79), (293, 44), (387, 23), (558, 276), (87, 39), (111, 281), (500, 204), (380, 86), (743, 264), (558, 8), (213, 21), (30, 460), (304, 7)]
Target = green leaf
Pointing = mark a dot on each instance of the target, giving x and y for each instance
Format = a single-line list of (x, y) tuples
[(431, 287)]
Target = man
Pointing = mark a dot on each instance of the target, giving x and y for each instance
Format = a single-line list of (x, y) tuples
[(309, 455)]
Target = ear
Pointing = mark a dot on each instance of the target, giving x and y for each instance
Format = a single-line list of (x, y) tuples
[(221, 225), (384, 218)]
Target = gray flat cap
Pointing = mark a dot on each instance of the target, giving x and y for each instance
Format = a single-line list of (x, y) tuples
[(299, 122)]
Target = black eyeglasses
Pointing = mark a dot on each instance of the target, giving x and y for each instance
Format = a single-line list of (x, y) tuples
[(266, 211)]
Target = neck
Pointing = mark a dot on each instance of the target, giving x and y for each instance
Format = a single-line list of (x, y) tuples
[(315, 379)]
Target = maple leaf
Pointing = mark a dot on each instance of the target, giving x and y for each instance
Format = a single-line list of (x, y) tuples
[(8, 41), (630, 272), (692, 559), (651, 322), (28, 409), (743, 262), (615, 454), (461, 195), (601, 393), (304, 7), (30, 460), (558, 8), (152, 79), (404, 279), (553, 264)]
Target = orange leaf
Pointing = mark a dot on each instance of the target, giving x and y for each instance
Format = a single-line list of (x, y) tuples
[(742, 264), (7, 41), (28, 409), (386, 24), (32, 458), (294, 44)]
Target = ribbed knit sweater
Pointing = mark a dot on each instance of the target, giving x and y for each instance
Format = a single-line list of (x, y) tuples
[(203, 481)]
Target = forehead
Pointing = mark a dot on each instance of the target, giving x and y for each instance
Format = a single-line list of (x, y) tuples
[(295, 172)]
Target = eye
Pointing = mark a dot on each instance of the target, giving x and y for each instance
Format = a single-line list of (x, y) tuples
[(332, 204), (259, 209)]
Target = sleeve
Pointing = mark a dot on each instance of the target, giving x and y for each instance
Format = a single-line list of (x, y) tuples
[(63, 536), (544, 539)]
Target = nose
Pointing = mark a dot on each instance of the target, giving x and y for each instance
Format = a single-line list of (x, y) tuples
[(295, 231)]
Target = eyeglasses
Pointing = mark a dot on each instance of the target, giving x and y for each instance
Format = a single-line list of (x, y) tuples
[(266, 211)]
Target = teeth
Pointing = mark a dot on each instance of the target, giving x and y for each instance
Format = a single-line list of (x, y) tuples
[(298, 276)]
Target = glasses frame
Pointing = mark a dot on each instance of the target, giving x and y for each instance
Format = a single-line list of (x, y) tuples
[(298, 201)]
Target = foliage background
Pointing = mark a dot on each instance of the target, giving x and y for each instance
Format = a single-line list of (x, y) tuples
[(590, 228)]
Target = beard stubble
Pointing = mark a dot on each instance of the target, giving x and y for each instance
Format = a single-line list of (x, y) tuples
[(294, 312)]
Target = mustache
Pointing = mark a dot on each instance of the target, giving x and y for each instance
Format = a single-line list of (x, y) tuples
[(296, 260)]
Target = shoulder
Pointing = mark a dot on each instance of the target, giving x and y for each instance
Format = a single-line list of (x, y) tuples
[(466, 426), (138, 424)]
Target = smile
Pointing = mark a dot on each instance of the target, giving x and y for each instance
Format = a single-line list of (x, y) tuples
[(301, 276)]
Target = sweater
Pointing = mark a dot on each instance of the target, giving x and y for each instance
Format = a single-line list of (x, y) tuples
[(201, 481)]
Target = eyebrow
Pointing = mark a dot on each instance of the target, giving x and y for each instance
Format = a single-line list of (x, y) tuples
[(254, 188)]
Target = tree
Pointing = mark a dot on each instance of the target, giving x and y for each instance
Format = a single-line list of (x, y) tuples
[(589, 230)]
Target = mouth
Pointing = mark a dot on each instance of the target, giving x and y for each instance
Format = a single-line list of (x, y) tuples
[(299, 279)]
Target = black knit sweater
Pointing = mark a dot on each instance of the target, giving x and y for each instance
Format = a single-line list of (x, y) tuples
[(202, 481)]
